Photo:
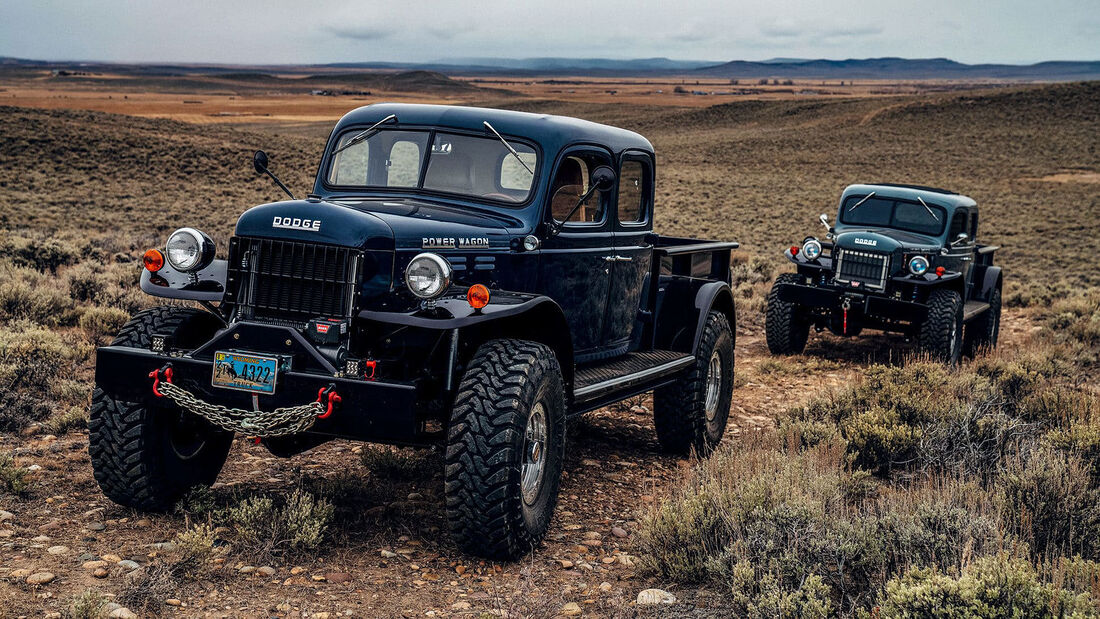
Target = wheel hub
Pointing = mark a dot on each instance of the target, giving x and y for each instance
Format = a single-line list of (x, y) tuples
[(534, 450), (714, 385)]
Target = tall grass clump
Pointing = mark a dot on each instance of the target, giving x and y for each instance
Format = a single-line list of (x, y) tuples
[(36, 366), (266, 528)]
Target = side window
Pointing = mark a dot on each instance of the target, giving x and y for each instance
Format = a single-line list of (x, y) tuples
[(973, 225), (958, 224), (403, 166), (633, 184), (570, 183)]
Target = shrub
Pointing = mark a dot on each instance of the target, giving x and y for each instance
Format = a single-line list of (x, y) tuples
[(28, 295), (74, 418), (32, 360), (1050, 502), (44, 255), (13, 478), (102, 322), (266, 529), (194, 548), (999, 586), (397, 463), (90, 604)]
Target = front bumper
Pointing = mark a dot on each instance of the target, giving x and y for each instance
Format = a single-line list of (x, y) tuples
[(370, 410), (867, 304)]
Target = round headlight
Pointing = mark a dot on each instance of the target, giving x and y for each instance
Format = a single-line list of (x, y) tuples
[(918, 265), (428, 275), (189, 250), (811, 249)]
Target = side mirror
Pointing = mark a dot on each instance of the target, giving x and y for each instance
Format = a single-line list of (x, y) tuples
[(824, 219), (603, 178), (259, 161)]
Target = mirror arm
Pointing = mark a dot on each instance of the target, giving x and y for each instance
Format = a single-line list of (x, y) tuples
[(279, 183), (555, 227)]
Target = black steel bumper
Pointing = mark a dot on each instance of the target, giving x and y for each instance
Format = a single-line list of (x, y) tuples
[(861, 303), (370, 410)]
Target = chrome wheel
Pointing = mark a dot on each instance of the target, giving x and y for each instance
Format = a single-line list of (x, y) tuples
[(714, 385), (534, 454)]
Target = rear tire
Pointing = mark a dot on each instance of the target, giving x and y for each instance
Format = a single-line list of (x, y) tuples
[(940, 334), (692, 412), (149, 457), (785, 325), (984, 330), (505, 449)]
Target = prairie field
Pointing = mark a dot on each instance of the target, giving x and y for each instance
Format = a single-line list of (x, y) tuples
[(854, 477)]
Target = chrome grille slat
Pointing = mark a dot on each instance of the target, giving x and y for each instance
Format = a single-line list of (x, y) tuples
[(869, 269)]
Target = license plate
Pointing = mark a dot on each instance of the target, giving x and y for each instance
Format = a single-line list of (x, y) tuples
[(245, 372)]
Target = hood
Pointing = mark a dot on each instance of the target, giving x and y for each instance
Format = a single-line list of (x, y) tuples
[(314, 221), (885, 241), (418, 224)]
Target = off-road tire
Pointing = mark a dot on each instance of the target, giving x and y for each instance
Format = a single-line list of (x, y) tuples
[(940, 334), (786, 327), (486, 510), (133, 447), (983, 331), (680, 409)]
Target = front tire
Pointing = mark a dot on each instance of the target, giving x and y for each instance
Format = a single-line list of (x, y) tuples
[(148, 457), (505, 449), (786, 327), (692, 412), (984, 330), (940, 334)]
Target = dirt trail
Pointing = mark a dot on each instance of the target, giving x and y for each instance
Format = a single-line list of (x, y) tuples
[(390, 556)]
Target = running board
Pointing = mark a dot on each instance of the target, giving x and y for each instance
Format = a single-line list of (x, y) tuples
[(973, 309), (633, 373)]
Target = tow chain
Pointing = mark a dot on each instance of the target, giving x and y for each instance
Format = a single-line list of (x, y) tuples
[(279, 422)]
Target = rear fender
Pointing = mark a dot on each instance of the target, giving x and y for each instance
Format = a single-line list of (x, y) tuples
[(715, 296), (986, 280)]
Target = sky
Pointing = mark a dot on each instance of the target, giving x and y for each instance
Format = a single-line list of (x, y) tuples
[(322, 31)]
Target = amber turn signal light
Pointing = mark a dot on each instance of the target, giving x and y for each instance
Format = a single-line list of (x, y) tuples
[(153, 260), (477, 296)]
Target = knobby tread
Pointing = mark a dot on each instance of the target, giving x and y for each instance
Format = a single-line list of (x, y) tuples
[(983, 331), (785, 329), (945, 313), (484, 506), (124, 438), (679, 409)]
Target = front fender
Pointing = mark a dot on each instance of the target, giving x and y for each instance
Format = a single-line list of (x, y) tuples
[(206, 285)]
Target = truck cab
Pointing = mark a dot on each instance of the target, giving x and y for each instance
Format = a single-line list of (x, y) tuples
[(900, 258), (458, 277)]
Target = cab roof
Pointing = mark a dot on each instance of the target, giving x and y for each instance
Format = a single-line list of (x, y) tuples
[(551, 132), (942, 197)]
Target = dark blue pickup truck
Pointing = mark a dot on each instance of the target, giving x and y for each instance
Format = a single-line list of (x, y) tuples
[(900, 258), (459, 277)]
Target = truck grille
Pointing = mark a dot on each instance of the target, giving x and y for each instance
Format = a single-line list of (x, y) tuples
[(290, 282), (869, 269)]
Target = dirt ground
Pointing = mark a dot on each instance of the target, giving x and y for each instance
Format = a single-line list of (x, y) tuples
[(392, 559)]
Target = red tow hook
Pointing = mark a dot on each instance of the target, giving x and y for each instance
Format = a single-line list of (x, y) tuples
[(846, 305), (155, 375), (328, 395)]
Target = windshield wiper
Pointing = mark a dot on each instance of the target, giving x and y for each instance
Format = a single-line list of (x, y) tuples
[(865, 198), (927, 208), (364, 135), (509, 147)]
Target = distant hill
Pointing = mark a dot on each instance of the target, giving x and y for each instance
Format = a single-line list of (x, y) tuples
[(903, 68), (785, 68)]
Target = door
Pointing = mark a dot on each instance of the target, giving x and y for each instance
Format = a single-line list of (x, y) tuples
[(575, 265), (960, 256), (633, 255)]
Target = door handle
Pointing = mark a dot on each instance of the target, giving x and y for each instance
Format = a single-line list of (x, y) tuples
[(623, 259)]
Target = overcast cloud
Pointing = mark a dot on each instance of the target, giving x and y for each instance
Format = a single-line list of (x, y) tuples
[(280, 31)]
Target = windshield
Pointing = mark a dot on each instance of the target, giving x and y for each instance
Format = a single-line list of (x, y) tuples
[(479, 167), (878, 212)]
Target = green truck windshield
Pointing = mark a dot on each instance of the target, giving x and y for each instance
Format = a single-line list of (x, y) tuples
[(876, 212), (477, 167)]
